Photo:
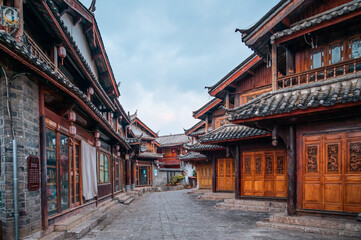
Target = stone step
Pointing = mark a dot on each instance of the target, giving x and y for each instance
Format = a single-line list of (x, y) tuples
[(199, 191), (258, 203), (215, 196), (127, 202), (82, 229), (121, 198), (313, 221), (309, 229), (54, 236), (250, 208)]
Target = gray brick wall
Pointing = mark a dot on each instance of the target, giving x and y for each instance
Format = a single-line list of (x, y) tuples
[(25, 112)]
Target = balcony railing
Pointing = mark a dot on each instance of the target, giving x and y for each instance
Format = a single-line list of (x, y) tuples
[(322, 73)]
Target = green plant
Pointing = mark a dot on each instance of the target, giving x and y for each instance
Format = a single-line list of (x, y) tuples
[(177, 179), (194, 173)]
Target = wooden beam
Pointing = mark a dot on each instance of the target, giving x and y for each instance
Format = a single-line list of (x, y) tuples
[(96, 54), (103, 76), (43, 161), (237, 166), (77, 19), (87, 27), (214, 177), (290, 61), (291, 172), (249, 71), (63, 10), (227, 99), (274, 67), (286, 21)]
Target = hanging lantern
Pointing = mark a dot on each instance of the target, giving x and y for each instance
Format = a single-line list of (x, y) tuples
[(98, 143), (90, 91), (72, 116), (97, 134), (62, 53), (72, 130), (117, 147), (118, 154)]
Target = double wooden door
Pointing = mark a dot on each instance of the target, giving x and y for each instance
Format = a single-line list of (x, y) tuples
[(264, 173), (332, 172), (204, 174), (225, 174)]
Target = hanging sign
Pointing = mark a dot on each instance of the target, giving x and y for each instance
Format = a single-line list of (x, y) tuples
[(9, 17), (33, 173)]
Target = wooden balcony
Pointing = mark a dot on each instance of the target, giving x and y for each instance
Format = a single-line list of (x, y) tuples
[(319, 74)]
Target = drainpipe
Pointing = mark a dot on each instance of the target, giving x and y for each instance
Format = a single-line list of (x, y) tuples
[(15, 174)]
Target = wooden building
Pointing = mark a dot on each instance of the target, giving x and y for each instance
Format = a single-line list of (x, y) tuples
[(171, 146), (146, 155), (312, 49), (65, 131)]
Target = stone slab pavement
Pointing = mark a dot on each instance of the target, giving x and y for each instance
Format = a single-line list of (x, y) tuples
[(178, 215)]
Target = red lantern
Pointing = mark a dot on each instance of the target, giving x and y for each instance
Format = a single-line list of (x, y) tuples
[(98, 143), (72, 116), (90, 91), (117, 147), (72, 130), (97, 134), (118, 154), (62, 53)]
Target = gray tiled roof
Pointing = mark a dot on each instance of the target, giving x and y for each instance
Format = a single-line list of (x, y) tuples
[(203, 147), (198, 132), (150, 155), (319, 18), (229, 132), (172, 140), (192, 156), (322, 93)]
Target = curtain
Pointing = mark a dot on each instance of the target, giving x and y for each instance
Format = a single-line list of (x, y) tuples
[(89, 170)]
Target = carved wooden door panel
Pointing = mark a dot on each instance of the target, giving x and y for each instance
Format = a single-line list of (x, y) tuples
[(204, 173), (332, 172), (225, 174), (264, 174)]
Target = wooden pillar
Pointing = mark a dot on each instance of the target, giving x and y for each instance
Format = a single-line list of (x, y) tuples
[(129, 176), (237, 176), (236, 100), (214, 177), (290, 61), (42, 127), (206, 124), (133, 173), (291, 172), (227, 100), (274, 67), (19, 5)]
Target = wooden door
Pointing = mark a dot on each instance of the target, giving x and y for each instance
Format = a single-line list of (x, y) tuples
[(264, 174), (225, 174), (204, 175), (332, 172)]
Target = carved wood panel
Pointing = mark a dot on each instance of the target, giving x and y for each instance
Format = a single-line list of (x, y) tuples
[(332, 172), (225, 176), (264, 174), (204, 175)]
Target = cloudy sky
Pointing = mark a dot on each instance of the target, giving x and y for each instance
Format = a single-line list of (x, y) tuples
[(164, 52)]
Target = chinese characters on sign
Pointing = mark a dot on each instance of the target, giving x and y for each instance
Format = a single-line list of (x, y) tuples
[(33, 173)]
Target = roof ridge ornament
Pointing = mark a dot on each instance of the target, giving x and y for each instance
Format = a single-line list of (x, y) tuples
[(92, 7)]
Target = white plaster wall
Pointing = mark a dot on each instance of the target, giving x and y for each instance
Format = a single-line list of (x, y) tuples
[(188, 171), (80, 39)]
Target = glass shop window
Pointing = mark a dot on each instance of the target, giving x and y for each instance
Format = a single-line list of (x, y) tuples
[(103, 168), (336, 54)]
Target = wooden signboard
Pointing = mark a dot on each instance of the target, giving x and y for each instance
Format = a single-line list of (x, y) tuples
[(33, 173)]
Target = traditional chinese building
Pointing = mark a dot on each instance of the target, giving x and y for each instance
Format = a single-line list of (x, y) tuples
[(146, 157), (62, 129), (172, 146)]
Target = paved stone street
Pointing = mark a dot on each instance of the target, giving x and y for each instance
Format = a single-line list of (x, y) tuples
[(178, 215)]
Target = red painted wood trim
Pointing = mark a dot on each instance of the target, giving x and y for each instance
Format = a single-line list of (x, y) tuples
[(317, 27), (61, 87), (240, 139), (207, 109), (75, 54), (235, 76), (299, 112), (145, 126)]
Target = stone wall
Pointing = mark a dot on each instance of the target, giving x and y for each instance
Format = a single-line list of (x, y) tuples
[(25, 114), (163, 174)]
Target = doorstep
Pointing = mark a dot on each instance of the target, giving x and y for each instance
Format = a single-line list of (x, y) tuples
[(313, 224), (253, 205), (218, 196)]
